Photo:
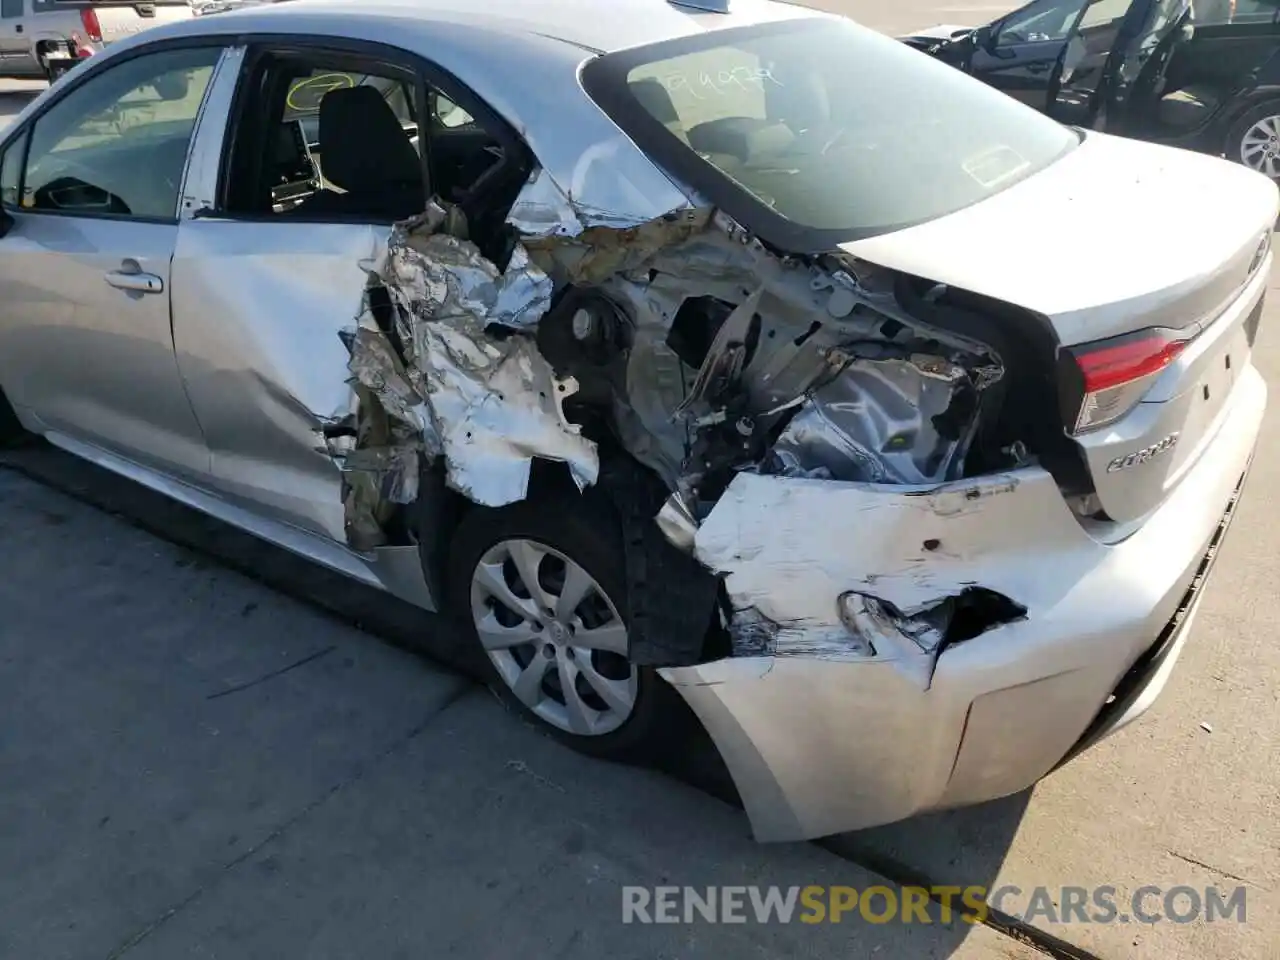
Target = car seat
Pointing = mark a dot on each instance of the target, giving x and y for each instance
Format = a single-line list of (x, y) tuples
[(365, 152)]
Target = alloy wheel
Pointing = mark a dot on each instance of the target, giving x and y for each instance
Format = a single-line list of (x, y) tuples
[(1260, 146), (554, 636)]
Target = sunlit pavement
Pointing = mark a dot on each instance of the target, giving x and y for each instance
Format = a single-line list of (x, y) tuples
[(193, 763)]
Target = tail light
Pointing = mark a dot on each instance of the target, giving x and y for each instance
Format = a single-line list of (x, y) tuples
[(1104, 380), (89, 20), (80, 48)]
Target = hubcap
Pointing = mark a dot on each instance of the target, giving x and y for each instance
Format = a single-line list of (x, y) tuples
[(554, 636), (1260, 147)]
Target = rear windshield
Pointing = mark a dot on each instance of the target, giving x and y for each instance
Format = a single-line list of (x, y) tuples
[(817, 131)]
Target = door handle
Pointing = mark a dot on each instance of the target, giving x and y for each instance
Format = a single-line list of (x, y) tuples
[(17, 28), (135, 281), (1038, 67)]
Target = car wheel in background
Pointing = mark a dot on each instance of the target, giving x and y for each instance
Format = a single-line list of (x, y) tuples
[(542, 588), (1254, 139)]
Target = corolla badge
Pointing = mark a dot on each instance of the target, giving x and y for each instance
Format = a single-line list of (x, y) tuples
[(1145, 455)]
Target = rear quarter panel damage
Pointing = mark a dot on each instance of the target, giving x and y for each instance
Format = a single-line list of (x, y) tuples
[(451, 369)]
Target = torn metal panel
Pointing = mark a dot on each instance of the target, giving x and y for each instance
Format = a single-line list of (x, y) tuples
[(850, 571), (871, 392), (677, 523), (903, 544), (542, 209), (494, 424), (884, 421), (722, 368), (599, 253), (488, 403)]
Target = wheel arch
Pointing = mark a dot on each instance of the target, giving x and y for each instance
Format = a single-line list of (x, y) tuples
[(664, 632)]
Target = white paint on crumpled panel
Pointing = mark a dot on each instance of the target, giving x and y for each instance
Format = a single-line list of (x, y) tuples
[(493, 400), (493, 421)]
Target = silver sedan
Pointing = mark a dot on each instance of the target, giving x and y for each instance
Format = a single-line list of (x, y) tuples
[(727, 351)]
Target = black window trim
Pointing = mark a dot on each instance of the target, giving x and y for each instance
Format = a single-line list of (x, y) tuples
[(424, 72), (83, 74)]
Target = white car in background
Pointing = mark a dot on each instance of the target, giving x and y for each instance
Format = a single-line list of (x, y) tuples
[(45, 38)]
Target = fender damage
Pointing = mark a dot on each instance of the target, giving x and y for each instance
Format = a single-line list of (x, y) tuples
[(673, 362), (786, 439)]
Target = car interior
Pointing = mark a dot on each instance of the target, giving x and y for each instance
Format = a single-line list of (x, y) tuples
[(1187, 63), (771, 121), (1208, 61), (321, 139)]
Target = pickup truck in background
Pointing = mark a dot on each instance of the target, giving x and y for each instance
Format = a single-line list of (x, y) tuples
[(45, 38)]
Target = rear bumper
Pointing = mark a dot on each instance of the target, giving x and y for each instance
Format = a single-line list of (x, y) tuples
[(823, 744)]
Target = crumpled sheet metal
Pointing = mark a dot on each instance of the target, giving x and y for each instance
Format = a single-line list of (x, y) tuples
[(487, 403), (877, 422), (600, 252), (443, 278), (543, 210), (907, 547)]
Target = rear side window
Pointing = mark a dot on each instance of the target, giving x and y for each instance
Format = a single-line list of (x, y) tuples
[(818, 131), (117, 144)]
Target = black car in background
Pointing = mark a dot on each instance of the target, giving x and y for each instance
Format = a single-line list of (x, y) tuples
[(1201, 74)]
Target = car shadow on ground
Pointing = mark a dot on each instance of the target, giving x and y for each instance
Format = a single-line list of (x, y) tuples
[(964, 847)]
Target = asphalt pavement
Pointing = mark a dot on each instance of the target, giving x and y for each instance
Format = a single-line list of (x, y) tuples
[(211, 749)]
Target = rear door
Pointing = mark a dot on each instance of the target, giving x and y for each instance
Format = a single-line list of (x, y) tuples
[(1230, 44), (85, 339), (264, 288)]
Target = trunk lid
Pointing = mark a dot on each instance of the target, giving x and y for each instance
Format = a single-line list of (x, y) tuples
[(1119, 237)]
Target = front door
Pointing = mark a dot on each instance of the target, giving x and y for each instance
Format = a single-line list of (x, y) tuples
[(1021, 52), (86, 343), (1090, 58)]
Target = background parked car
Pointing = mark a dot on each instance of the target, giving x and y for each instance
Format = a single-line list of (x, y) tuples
[(1201, 74), (45, 38)]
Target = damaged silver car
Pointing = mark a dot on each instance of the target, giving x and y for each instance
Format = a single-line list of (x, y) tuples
[(660, 349)]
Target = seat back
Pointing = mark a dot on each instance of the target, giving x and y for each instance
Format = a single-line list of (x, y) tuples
[(365, 151)]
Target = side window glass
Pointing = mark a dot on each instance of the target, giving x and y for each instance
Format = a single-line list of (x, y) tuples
[(118, 143), (10, 8), (447, 114), (10, 170), (340, 143), (1042, 22), (329, 142)]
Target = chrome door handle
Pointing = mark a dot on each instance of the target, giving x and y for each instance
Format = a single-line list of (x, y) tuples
[(139, 282)]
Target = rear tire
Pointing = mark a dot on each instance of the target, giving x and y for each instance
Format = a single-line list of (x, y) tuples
[(1254, 139), (569, 545)]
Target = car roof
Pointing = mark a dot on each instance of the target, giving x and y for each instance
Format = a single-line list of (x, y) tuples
[(522, 58), (599, 26)]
